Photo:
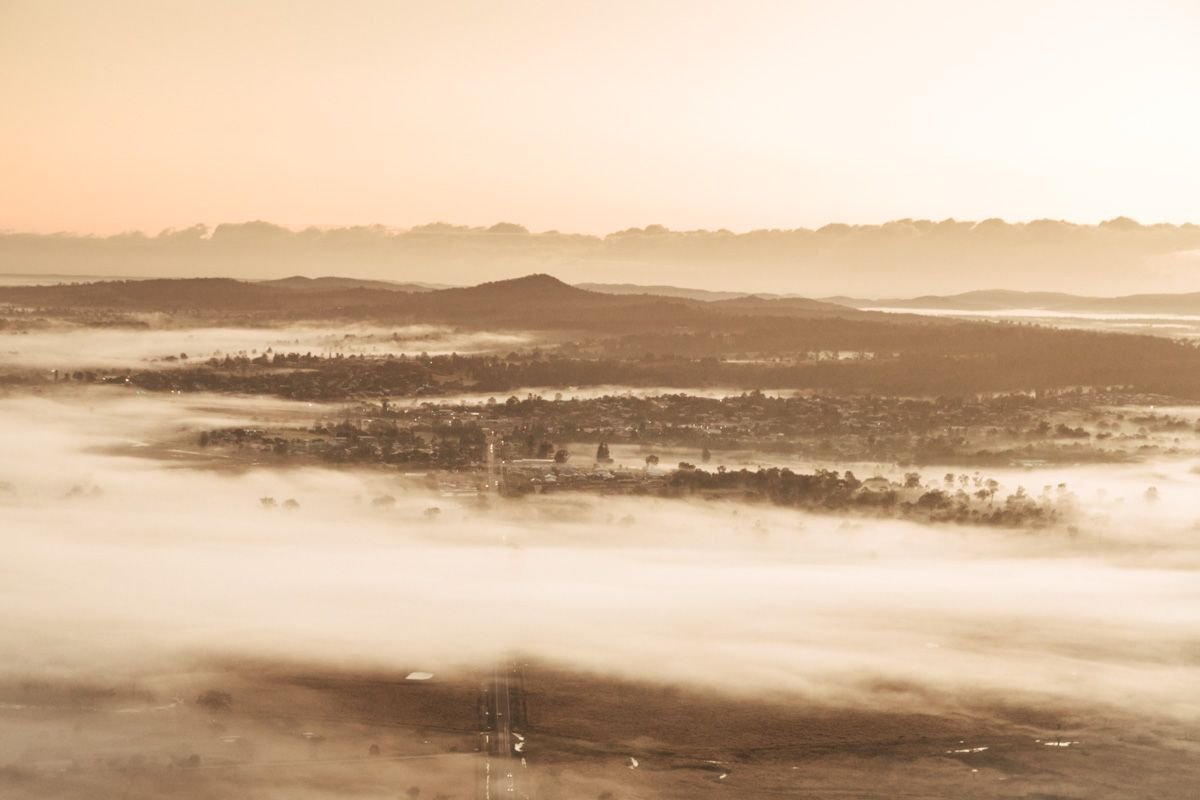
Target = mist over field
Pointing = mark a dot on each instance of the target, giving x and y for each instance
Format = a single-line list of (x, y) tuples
[(263, 557), (61, 347), (599, 401), (115, 563)]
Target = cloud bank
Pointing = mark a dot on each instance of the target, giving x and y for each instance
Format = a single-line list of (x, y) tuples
[(899, 258)]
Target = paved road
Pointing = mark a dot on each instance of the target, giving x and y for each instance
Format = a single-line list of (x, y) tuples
[(504, 773)]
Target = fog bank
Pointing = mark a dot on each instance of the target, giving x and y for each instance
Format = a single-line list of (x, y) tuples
[(119, 563)]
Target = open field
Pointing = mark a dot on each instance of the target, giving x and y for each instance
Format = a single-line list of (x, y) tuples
[(322, 734)]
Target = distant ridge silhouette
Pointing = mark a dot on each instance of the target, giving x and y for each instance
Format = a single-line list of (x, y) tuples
[(904, 257)]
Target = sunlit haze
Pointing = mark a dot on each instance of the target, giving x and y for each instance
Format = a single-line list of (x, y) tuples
[(599, 401), (593, 117)]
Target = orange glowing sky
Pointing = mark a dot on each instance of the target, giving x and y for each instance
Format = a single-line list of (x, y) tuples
[(121, 115)]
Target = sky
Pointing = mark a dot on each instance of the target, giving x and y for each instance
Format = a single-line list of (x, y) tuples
[(593, 117)]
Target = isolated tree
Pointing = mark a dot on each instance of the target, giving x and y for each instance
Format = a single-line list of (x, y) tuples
[(561, 456), (651, 461), (602, 455), (705, 455)]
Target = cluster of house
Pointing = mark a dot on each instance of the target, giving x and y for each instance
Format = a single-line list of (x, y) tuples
[(540, 475)]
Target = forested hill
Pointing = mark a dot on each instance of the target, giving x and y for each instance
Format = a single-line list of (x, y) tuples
[(645, 338), (301, 283), (533, 301)]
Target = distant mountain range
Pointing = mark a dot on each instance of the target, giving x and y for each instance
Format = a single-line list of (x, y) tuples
[(544, 299), (301, 283), (668, 291), (896, 259), (532, 301), (998, 300), (977, 302)]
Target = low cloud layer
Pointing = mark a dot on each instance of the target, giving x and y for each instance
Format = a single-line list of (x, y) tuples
[(117, 562), (900, 258)]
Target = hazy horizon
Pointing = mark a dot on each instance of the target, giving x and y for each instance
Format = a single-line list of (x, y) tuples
[(642, 443), (837, 142), (594, 117), (900, 258)]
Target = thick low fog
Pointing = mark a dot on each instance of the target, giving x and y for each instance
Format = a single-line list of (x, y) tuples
[(124, 348), (117, 563)]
